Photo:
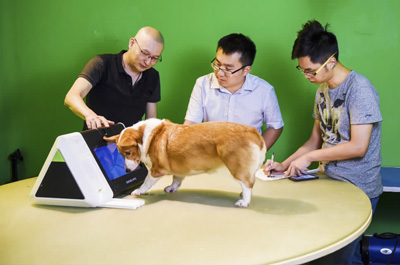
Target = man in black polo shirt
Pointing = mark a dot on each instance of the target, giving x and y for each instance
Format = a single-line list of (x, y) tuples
[(120, 87)]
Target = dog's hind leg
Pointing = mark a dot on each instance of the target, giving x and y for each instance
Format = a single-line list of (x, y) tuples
[(246, 196), (243, 165), (176, 183), (147, 184)]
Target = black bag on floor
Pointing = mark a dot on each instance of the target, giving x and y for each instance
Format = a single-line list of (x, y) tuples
[(380, 249)]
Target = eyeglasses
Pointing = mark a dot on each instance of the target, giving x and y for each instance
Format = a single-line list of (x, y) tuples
[(314, 73), (226, 72), (154, 59)]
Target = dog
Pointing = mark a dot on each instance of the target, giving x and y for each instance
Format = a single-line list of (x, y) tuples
[(168, 148)]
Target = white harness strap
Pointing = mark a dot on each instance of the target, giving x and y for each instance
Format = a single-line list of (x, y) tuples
[(120, 135)]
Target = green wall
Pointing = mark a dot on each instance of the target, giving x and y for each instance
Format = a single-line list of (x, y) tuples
[(44, 44)]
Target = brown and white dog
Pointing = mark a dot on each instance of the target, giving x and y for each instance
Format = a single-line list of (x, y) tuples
[(167, 148)]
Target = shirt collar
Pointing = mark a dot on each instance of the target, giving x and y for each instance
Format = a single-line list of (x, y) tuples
[(120, 66), (246, 85)]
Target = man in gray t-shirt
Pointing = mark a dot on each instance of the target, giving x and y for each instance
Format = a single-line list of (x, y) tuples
[(355, 101), (346, 137)]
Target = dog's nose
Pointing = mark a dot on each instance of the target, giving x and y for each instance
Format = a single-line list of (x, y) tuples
[(128, 170)]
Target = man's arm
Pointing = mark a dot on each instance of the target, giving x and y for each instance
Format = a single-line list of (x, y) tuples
[(356, 147), (271, 135), (151, 110), (74, 101), (313, 143), (187, 122), (195, 107)]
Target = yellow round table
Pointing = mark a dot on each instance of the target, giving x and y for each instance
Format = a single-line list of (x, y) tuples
[(286, 223)]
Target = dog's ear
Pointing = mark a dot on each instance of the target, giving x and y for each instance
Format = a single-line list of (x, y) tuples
[(111, 139), (139, 137), (131, 137)]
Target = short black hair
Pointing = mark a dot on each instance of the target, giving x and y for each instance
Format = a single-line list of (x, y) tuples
[(315, 41), (241, 44)]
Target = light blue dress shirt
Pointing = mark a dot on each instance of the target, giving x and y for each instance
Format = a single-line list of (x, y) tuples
[(253, 104)]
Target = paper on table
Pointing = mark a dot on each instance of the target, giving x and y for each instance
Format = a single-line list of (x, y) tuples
[(260, 174)]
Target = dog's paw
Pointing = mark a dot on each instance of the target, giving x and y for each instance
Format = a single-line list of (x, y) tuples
[(242, 203), (171, 188), (137, 192)]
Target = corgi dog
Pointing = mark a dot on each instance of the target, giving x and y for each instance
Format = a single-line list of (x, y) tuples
[(168, 148)]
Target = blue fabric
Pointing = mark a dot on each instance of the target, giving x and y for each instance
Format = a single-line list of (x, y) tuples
[(390, 178)]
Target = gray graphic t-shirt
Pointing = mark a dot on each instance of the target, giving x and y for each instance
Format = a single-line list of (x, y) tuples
[(355, 101)]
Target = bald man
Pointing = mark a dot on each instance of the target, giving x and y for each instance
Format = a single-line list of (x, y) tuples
[(119, 87)]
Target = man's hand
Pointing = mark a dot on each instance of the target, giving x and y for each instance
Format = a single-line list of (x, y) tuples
[(95, 121), (298, 167), (274, 168)]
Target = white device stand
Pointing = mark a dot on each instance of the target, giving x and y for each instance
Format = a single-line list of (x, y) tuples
[(83, 168)]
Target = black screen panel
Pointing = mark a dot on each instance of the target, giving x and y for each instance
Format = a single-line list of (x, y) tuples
[(58, 182)]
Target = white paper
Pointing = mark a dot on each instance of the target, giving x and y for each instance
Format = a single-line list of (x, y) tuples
[(261, 175)]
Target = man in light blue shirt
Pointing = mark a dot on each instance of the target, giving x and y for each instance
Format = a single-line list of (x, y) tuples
[(232, 94)]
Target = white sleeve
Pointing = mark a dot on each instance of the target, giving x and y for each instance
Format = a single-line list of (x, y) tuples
[(194, 111), (272, 113)]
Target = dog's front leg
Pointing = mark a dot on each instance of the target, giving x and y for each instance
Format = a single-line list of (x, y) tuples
[(147, 184), (176, 183)]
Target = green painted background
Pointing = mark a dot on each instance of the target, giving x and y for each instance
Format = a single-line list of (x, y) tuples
[(44, 44)]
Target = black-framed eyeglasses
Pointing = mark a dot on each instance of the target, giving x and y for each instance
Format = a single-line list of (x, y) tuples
[(226, 72), (155, 59), (314, 73)]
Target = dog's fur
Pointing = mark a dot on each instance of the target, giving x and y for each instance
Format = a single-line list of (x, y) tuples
[(167, 148)]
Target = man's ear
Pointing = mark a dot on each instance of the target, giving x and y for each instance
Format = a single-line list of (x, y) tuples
[(111, 139), (247, 70), (131, 42), (332, 62)]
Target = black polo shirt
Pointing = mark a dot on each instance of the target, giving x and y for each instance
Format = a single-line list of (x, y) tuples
[(113, 95)]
